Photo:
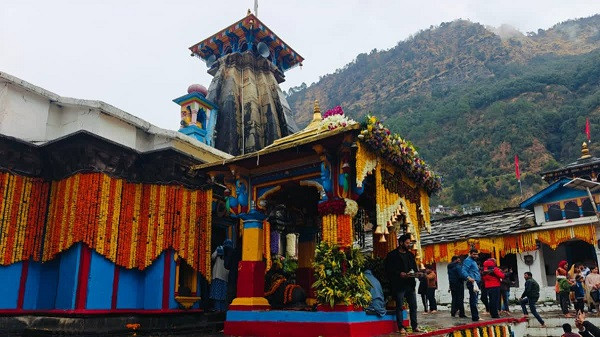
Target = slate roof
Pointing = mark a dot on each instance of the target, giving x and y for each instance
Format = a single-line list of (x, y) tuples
[(479, 225)]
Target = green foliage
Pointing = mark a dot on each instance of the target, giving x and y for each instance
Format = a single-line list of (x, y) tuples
[(339, 276), (470, 102), (290, 265)]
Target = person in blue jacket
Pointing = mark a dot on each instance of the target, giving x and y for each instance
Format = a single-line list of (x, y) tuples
[(470, 272)]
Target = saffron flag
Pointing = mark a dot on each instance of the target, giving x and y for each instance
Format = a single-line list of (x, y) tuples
[(587, 129), (517, 171)]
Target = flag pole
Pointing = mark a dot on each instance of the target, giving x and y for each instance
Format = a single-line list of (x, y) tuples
[(521, 188), (518, 174)]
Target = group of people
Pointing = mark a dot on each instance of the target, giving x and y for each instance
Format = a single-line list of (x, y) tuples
[(578, 284), (489, 280)]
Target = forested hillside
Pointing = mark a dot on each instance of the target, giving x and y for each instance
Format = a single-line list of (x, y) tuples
[(471, 97)]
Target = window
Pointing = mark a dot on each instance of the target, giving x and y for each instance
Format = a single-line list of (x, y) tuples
[(554, 213), (571, 210), (588, 208)]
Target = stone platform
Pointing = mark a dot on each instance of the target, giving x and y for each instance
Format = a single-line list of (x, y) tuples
[(96, 325)]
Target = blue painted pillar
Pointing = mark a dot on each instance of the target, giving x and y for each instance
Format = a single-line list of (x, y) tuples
[(32, 285), (68, 272), (153, 284), (100, 282), (9, 285)]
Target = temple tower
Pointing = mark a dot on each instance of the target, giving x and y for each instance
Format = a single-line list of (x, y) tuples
[(248, 62)]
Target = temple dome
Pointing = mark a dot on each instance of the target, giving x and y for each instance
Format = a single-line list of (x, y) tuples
[(199, 88)]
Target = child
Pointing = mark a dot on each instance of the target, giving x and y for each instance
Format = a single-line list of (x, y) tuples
[(579, 293)]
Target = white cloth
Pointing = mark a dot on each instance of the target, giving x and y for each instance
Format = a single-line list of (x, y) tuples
[(218, 268)]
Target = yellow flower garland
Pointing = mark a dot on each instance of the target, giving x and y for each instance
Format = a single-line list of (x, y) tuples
[(500, 246)]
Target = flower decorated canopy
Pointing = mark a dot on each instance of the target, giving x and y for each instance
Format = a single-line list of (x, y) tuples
[(399, 152)]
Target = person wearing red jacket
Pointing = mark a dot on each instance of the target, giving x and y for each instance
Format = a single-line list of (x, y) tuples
[(491, 276)]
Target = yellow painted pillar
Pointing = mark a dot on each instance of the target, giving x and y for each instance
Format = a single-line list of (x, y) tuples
[(251, 270)]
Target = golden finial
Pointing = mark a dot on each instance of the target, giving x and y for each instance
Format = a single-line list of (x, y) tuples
[(316, 120), (585, 152)]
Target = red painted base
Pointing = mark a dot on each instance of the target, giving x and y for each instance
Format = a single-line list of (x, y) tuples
[(308, 329), (251, 279), (249, 307)]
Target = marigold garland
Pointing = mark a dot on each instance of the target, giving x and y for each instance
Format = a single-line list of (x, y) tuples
[(267, 244), (337, 229), (400, 152), (130, 224), (23, 205), (500, 246)]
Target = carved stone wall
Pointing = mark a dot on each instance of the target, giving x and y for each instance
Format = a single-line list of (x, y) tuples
[(266, 113)]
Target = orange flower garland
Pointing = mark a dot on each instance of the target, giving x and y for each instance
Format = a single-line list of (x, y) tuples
[(23, 204), (500, 246), (130, 224)]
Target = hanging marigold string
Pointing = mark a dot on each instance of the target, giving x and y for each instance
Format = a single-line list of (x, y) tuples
[(500, 246), (336, 217), (366, 161), (130, 224), (267, 245), (23, 205)]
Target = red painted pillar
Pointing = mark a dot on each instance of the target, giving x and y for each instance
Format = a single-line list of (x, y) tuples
[(22, 284), (251, 270), (83, 277)]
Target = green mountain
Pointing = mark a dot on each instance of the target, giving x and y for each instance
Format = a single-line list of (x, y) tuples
[(471, 97)]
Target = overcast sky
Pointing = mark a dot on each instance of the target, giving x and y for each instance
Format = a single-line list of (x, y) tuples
[(133, 54)]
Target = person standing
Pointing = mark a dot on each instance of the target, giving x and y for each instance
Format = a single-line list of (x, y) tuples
[(431, 287), (422, 291), (530, 296), (505, 284), (470, 272), (220, 275), (491, 280), (457, 287), (401, 267), (563, 287), (579, 293)]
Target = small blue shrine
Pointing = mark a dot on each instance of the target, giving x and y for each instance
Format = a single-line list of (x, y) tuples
[(198, 114)]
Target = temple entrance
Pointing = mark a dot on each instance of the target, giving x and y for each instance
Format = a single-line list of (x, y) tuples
[(574, 251), (294, 231)]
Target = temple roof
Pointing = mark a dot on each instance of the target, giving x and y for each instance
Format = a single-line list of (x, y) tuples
[(311, 133), (480, 225), (218, 43), (585, 165)]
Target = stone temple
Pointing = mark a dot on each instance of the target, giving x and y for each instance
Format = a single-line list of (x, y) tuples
[(248, 62)]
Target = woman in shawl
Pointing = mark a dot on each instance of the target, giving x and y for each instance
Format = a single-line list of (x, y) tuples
[(592, 284), (220, 275), (563, 287)]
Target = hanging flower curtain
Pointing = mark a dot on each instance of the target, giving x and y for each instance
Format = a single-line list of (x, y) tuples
[(23, 204), (130, 224)]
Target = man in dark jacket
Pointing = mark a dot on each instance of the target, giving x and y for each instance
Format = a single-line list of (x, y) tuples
[(457, 287), (530, 296), (586, 328), (401, 268)]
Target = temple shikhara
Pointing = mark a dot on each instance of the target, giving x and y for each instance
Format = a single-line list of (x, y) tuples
[(107, 217)]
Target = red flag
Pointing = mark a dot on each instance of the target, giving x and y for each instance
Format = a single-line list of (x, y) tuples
[(587, 129), (517, 171)]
